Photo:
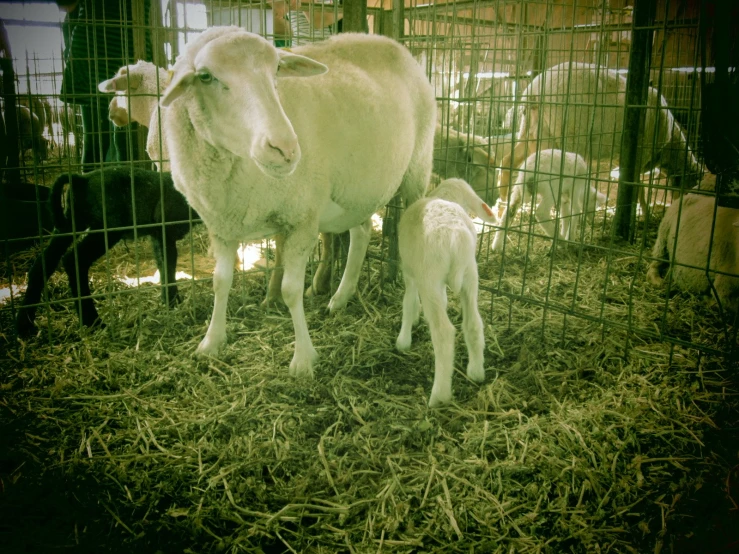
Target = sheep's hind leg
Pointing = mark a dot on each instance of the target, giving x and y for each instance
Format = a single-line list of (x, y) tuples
[(411, 313), (297, 248), (358, 242), (38, 275), (274, 288), (434, 302), (89, 249), (472, 326), (322, 278), (215, 337)]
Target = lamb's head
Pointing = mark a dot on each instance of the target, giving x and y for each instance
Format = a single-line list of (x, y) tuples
[(229, 88), (134, 87)]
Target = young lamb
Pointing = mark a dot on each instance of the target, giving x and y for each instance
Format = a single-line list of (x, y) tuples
[(137, 89), (96, 201), (437, 242), (554, 179), (266, 141), (592, 124), (682, 246)]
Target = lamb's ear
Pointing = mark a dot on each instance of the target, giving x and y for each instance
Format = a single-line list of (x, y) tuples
[(121, 83), (180, 81), (295, 65)]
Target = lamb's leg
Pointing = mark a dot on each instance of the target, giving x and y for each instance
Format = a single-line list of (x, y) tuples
[(39, 273), (168, 273), (359, 238), (508, 216), (89, 250), (411, 313), (544, 217), (215, 337), (322, 278), (434, 302), (659, 251), (274, 288), (298, 246), (472, 326)]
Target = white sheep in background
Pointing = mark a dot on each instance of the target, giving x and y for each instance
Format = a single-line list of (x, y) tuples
[(437, 242), (265, 141), (688, 222), (580, 107), (544, 174), (137, 89)]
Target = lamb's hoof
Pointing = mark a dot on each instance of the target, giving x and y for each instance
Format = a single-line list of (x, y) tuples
[(403, 344), (26, 327), (302, 367), (339, 300), (272, 302), (209, 346), (653, 275), (439, 399), (476, 373)]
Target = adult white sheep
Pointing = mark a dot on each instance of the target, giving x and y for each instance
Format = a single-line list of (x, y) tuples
[(560, 179), (137, 89), (266, 141), (580, 108), (688, 223), (437, 242)]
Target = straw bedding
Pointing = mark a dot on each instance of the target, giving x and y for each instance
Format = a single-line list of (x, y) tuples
[(121, 440)]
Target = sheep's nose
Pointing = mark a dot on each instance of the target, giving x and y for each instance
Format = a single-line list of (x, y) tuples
[(287, 152)]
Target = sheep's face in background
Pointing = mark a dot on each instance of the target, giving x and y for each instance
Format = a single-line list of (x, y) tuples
[(230, 88), (123, 107), (469, 163)]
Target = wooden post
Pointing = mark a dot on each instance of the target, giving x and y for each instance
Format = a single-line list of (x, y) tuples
[(637, 84), (720, 114), (355, 16)]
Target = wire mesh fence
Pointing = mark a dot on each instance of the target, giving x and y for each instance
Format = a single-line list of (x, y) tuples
[(608, 290), (512, 79)]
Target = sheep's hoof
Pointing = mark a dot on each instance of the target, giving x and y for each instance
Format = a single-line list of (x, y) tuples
[(439, 399), (403, 343), (339, 300), (302, 367), (209, 346), (653, 275), (476, 373), (26, 326), (273, 302)]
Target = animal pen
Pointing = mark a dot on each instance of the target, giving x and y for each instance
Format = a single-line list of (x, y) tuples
[(607, 421)]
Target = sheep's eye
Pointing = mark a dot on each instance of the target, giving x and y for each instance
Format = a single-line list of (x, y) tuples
[(205, 77)]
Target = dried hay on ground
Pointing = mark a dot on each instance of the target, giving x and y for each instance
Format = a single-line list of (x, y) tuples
[(120, 440)]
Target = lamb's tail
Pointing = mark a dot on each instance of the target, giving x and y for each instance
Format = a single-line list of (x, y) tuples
[(69, 199), (459, 191)]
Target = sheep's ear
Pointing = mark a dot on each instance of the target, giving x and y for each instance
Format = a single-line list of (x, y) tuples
[(295, 65), (176, 87), (121, 83)]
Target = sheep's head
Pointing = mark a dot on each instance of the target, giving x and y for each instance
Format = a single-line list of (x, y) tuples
[(229, 86), (133, 85)]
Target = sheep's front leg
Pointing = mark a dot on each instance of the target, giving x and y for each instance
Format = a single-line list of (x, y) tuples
[(297, 248), (224, 253), (359, 238), (507, 218), (411, 313), (544, 218)]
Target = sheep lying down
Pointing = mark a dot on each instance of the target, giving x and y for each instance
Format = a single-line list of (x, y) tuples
[(682, 248), (265, 141), (437, 242)]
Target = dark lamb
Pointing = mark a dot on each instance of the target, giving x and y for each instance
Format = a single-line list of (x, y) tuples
[(96, 201)]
